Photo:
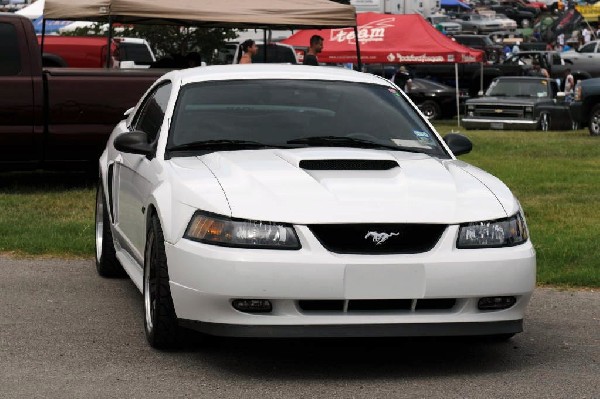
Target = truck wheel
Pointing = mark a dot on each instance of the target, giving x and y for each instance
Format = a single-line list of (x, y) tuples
[(594, 123), (160, 319), (430, 109), (545, 121), (107, 264)]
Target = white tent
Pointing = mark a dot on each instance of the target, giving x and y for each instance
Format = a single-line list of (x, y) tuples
[(33, 11)]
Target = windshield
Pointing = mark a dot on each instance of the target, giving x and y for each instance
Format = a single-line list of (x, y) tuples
[(518, 88), (297, 113)]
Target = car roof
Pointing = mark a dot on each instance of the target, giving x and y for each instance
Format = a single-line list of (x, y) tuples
[(272, 71)]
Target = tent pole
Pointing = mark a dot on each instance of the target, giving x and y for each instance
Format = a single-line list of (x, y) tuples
[(481, 80), (109, 41), (357, 49), (43, 34), (265, 45), (457, 94)]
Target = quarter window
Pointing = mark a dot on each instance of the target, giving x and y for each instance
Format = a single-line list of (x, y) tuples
[(150, 119), (10, 58)]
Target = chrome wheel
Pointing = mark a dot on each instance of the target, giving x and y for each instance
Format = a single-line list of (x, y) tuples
[(545, 122), (99, 224), (594, 124)]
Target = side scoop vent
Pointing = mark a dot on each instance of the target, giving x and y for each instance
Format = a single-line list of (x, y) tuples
[(348, 164)]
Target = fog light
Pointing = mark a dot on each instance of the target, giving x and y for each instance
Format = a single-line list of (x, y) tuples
[(252, 305), (496, 302)]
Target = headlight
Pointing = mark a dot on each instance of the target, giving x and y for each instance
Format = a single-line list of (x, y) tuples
[(493, 233), (220, 230)]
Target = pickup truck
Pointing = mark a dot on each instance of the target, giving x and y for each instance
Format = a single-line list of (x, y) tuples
[(62, 117), (585, 110)]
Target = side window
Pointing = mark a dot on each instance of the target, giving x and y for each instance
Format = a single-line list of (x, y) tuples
[(588, 48), (10, 58), (152, 113)]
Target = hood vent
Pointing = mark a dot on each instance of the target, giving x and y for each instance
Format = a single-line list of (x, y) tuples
[(348, 164)]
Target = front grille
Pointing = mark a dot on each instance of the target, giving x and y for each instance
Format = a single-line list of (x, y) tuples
[(348, 164), (500, 111), (378, 238), (379, 305)]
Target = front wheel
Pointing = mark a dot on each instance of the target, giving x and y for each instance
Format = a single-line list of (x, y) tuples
[(107, 264), (545, 122), (160, 319), (430, 109), (594, 123)]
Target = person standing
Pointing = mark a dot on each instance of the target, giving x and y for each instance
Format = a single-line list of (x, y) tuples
[(316, 46), (403, 79), (247, 49), (587, 35), (569, 85)]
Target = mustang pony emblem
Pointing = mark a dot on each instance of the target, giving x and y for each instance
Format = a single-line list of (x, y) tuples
[(380, 238)]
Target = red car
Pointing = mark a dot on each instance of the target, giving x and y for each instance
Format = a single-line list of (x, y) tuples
[(78, 52)]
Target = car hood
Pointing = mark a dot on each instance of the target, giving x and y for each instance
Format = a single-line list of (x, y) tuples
[(499, 101), (271, 185)]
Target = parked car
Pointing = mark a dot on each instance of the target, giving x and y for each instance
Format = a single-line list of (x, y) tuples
[(505, 37), (588, 56), (53, 118), (507, 23), (522, 103), (78, 51), (493, 52), (277, 53), (448, 25), (519, 16), (479, 24), (134, 52), (585, 110), (266, 201), (435, 100)]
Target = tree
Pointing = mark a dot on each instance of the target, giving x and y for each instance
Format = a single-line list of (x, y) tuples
[(167, 40)]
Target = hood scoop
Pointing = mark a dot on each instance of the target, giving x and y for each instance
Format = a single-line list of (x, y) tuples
[(348, 164)]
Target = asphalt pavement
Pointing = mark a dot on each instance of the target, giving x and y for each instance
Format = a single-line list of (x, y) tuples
[(67, 333)]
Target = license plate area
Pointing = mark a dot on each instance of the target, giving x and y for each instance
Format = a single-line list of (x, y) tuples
[(384, 281)]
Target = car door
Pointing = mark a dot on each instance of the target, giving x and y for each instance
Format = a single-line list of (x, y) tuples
[(134, 173), (21, 125), (586, 56)]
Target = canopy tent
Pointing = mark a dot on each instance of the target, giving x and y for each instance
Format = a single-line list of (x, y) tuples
[(51, 26), (454, 4), (388, 39), (32, 11), (207, 13)]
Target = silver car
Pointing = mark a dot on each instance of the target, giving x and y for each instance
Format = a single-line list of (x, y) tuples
[(586, 56)]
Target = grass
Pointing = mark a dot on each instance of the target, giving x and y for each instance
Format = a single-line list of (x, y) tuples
[(50, 214), (555, 175)]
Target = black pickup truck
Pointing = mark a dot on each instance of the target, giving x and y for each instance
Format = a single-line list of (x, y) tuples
[(585, 110), (62, 117)]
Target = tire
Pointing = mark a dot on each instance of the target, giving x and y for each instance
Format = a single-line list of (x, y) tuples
[(544, 121), (430, 109), (594, 122), (160, 320), (107, 264)]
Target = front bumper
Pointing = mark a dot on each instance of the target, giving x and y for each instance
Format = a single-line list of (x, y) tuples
[(497, 123), (205, 280)]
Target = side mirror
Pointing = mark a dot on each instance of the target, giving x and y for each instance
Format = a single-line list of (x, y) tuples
[(135, 142), (458, 143)]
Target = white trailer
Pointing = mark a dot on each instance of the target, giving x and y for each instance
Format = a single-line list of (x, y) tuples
[(422, 7)]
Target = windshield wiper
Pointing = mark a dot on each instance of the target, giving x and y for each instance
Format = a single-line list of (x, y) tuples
[(210, 144), (338, 141), (522, 95)]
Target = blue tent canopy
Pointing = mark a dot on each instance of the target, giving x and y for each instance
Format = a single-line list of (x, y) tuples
[(51, 26), (454, 3)]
